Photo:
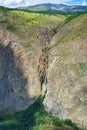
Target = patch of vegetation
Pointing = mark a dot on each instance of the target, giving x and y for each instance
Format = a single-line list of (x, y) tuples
[(82, 65), (69, 122), (79, 68), (73, 28), (11, 28), (33, 119)]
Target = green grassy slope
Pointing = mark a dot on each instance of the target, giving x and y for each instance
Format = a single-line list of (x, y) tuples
[(25, 25), (73, 28)]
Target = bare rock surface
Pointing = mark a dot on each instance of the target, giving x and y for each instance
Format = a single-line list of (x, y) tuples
[(19, 83), (66, 95)]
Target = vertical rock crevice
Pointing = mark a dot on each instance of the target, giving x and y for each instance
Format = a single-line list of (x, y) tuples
[(42, 70), (44, 36)]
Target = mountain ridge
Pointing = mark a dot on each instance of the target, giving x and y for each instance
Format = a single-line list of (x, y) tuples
[(56, 8)]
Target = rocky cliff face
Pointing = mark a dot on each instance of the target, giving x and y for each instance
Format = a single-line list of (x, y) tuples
[(22, 70), (19, 85), (66, 95), (55, 65)]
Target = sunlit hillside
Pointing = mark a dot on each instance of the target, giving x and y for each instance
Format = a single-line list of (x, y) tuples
[(43, 70)]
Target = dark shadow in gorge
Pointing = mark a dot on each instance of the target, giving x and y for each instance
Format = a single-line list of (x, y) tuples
[(13, 83)]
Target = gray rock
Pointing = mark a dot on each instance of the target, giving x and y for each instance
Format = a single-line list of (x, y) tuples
[(54, 108)]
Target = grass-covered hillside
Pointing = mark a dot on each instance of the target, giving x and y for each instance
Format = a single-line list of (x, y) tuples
[(27, 25), (73, 28)]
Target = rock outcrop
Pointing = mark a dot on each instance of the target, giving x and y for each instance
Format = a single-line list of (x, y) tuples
[(19, 85), (66, 95)]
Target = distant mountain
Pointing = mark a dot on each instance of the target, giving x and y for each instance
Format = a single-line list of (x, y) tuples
[(56, 8)]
